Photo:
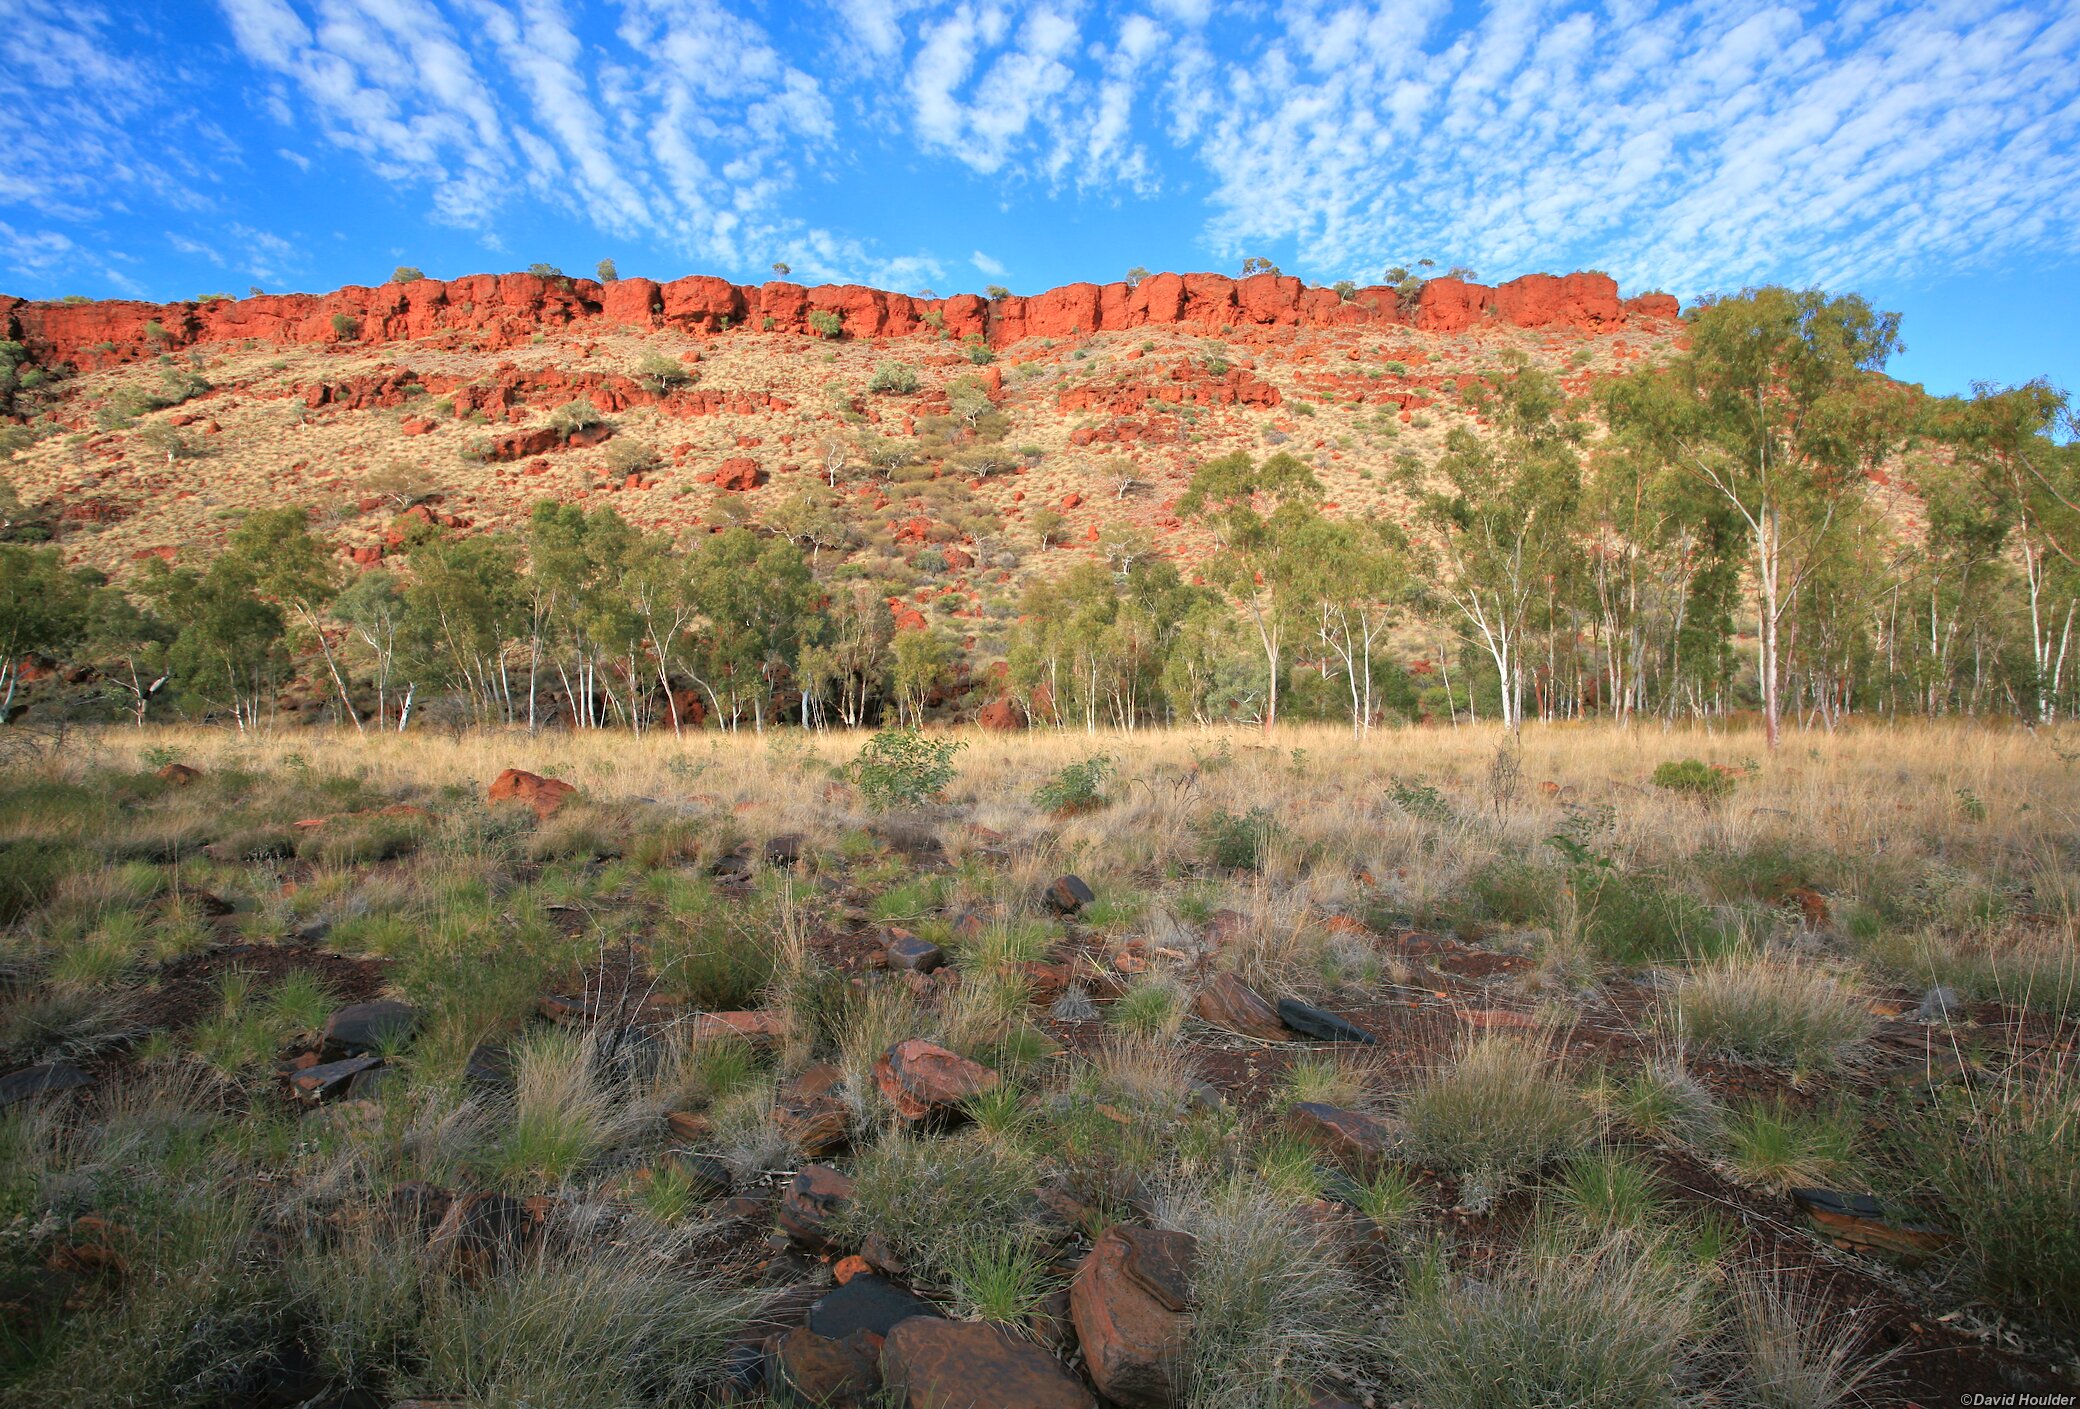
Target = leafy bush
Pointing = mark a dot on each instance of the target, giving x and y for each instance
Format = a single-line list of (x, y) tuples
[(1240, 841), (660, 373), (576, 414), (825, 324), (903, 768), (898, 378), (29, 873), (2002, 1163), (1691, 776), (1077, 787)]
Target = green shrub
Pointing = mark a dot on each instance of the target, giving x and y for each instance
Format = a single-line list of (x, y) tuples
[(1076, 787), (1240, 841), (825, 324), (30, 872), (2000, 1163), (903, 768), (577, 414), (1692, 776), (898, 378), (659, 373), (1778, 1146), (939, 1199)]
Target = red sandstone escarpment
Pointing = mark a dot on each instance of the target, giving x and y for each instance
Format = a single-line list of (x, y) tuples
[(505, 310)]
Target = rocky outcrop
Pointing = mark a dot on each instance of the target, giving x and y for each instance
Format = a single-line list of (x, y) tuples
[(506, 310)]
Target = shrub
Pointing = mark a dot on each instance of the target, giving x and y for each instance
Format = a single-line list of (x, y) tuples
[(1772, 1014), (1778, 1146), (1694, 777), (619, 1325), (345, 326), (625, 456), (2001, 1161), (406, 274), (1790, 1353), (575, 415), (1240, 841), (939, 1199), (29, 872), (1153, 1007), (825, 324), (903, 768), (898, 378), (1077, 787), (1498, 1112), (1275, 1309), (659, 373), (1601, 1328)]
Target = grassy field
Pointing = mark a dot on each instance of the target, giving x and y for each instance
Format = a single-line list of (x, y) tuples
[(1631, 998)]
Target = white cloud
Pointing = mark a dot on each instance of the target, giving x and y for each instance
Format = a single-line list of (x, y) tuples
[(985, 265)]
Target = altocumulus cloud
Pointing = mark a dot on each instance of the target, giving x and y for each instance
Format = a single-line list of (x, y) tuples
[(1685, 145)]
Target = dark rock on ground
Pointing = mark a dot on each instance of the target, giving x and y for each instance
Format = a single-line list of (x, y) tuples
[(928, 1363), (813, 1197), (802, 1367), (907, 951), (921, 1077), (328, 1081), (866, 1303), (1068, 894), (1230, 1003), (41, 1080), (1320, 1023), (783, 850), (365, 1027), (1351, 1135), (1130, 1305)]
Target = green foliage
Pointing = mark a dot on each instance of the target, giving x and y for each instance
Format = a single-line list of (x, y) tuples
[(825, 323), (903, 768), (660, 373), (1496, 1113), (896, 378), (1690, 776), (406, 274), (1076, 787), (1999, 1162), (1240, 841)]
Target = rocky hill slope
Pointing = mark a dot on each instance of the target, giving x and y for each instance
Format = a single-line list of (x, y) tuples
[(1005, 433)]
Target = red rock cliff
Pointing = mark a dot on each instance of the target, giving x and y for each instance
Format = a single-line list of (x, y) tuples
[(507, 309)]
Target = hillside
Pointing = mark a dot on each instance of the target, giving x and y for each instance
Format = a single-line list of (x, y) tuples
[(1101, 400)]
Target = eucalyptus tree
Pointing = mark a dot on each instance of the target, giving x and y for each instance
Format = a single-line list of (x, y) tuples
[(1778, 407)]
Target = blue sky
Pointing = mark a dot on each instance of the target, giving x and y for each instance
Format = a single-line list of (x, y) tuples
[(1926, 155)]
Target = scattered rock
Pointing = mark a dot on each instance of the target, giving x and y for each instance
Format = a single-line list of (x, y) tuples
[(921, 1077), (1352, 1135), (1129, 1304), (41, 1080), (707, 1176), (1068, 895), (1320, 1023), (489, 1068), (330, 1080), (865, 1303), (366, 1027), (907, 951), (1858, 1223), (544, 795), (815, 1124), (783, 850), (802, 1367), (930, 1363), (1940, 1004), (732, 868), (880, 1254), (758, 1026), (482, 1232), (813, 1197), (1230, 1003)]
